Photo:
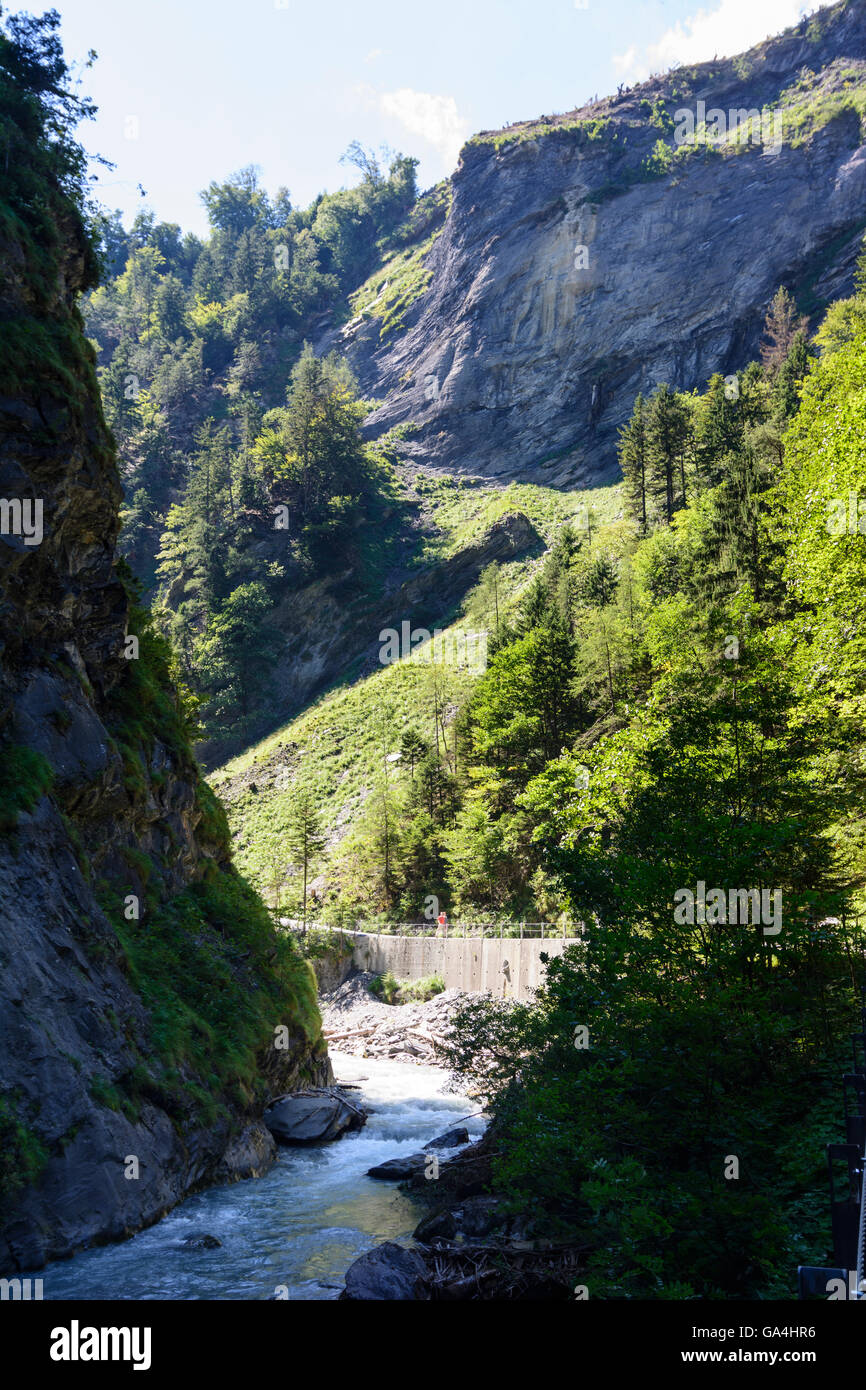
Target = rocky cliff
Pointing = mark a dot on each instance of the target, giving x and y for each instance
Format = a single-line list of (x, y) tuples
[(590, 256), (147, 1010)]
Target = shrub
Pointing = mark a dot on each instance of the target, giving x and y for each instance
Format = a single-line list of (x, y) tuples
[(25, 777)]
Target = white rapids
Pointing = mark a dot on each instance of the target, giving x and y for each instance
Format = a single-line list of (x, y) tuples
[(294, 1232)]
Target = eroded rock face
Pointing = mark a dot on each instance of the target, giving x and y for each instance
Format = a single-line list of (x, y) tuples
[(521, 361)]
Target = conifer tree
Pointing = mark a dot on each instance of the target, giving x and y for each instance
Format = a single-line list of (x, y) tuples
[(669, 430), (305, 837), (781, 327), (634, 462)]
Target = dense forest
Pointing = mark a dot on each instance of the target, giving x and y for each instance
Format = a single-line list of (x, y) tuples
[(680, 622), (727, 749), (227, 424)]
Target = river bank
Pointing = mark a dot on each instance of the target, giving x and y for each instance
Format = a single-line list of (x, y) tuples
[(293, 1233), (356, 1022)]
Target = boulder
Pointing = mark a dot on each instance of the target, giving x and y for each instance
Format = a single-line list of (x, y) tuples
[(248, 1155), (388, 1273), (306, 1119), (396, 1169), (451, 1140), (413, 1165), (200, 1243)]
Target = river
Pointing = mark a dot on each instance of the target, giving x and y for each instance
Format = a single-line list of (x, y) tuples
[(298, 1228)]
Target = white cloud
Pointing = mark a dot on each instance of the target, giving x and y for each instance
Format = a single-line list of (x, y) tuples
[(435, 118), (732, 27), (374, 54)]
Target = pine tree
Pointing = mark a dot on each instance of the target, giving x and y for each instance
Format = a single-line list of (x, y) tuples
[(786, 393), (305, 837), (718, 431), (601, 582), (781, 327), (634, 462), (413, 748), (669, 431)]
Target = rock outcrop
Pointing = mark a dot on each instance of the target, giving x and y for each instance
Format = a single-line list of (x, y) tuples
[(413, 1165), (589, 257), (125, 936)]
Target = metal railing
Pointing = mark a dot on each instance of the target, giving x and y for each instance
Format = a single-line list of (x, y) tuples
[(544, 931)]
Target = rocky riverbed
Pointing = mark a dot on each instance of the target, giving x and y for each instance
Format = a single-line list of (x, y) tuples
[(356, 1022), (466, 1247)]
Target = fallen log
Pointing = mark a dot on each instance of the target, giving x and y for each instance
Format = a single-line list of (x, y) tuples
[(432, 1038), (343, 1037)]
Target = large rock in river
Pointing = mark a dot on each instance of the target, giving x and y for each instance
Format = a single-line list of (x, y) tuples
[(311, 1119), (388, 1273)]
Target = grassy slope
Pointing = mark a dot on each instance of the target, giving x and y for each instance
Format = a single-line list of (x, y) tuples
[(338, 745), (401, 274)]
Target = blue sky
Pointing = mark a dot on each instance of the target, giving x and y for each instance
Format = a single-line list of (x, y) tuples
[(191, 90)]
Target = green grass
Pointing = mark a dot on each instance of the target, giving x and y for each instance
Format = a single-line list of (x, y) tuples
[(464, 512), (22, 1155), (802, 119), (402, 275), (338, 746), (586, 131), (217, 981), (390, 290), (25, 777), (393, 991)]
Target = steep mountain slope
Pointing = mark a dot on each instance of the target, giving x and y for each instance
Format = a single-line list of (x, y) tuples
[(500, 327), (591, 256), (343, 743), (140, 978)]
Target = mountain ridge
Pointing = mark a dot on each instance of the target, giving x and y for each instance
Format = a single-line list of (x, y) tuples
[(514, 363)]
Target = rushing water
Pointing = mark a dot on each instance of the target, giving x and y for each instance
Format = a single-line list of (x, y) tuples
[(300, 1226)]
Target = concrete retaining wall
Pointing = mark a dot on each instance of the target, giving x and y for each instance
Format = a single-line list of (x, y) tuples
[(507, 967)]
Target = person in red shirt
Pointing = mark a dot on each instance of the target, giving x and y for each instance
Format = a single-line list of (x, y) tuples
[(442, 919)]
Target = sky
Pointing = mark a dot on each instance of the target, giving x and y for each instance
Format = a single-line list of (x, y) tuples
[(192, 90)]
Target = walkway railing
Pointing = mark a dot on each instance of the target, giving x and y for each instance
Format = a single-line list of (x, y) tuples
[(498, 930)]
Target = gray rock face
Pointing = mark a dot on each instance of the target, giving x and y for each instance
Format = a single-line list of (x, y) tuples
[(521, 361), (389, 1272), (249, 1155), (79, 1091), (311, 1119)]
